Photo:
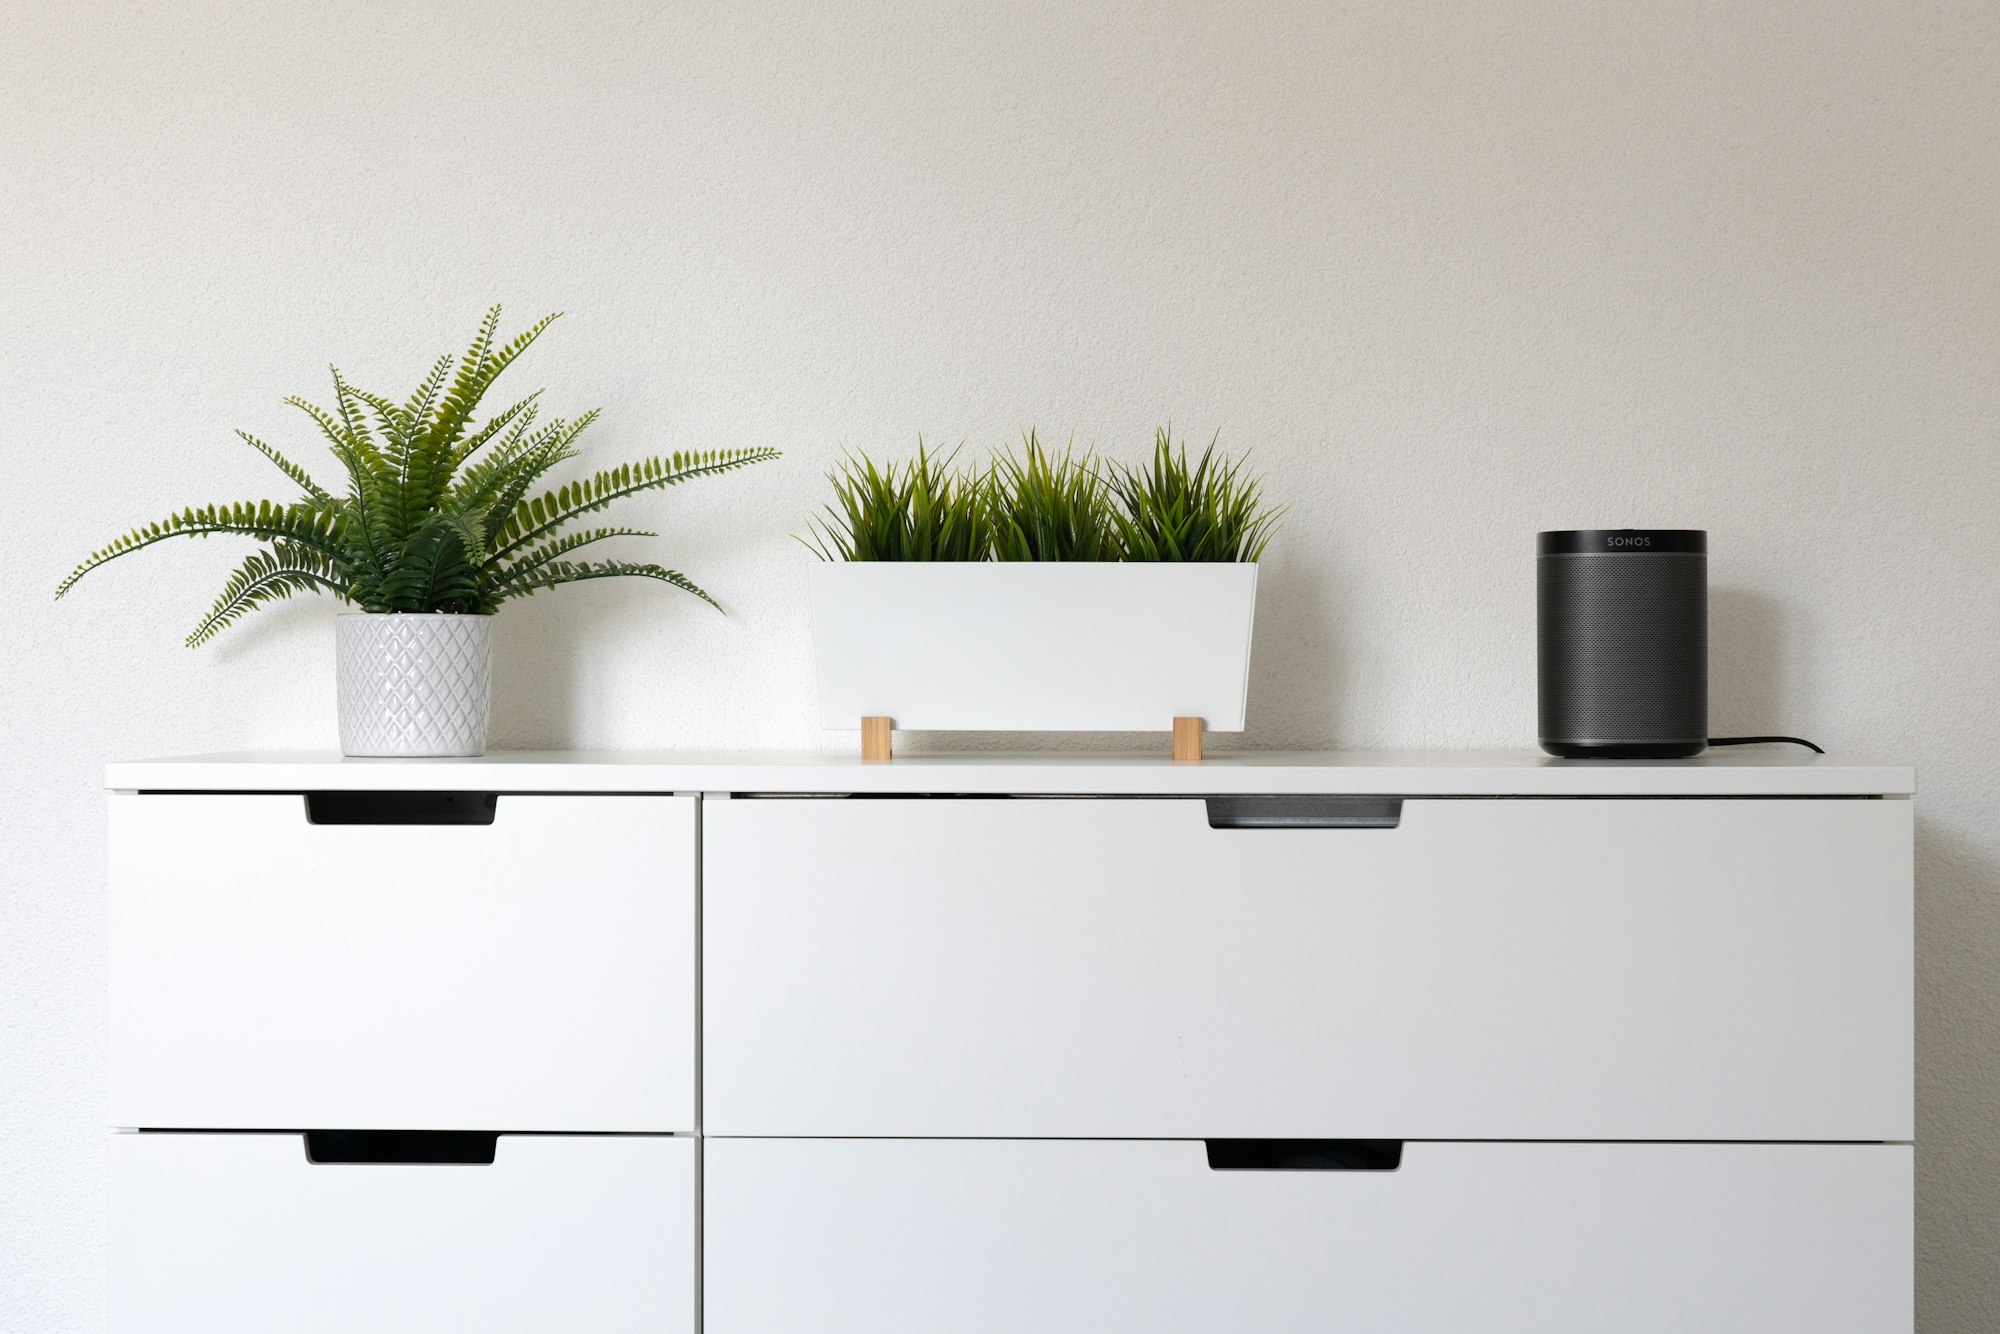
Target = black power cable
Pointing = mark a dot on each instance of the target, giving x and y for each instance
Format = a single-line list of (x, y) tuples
[(1757, 740)]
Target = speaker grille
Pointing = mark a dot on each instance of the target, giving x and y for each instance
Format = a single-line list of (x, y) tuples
[(1623, 649)]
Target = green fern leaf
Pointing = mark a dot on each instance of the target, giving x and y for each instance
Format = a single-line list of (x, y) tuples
[(289, 468), (419, 457), (266, 577), (470, 527), (418, 410), (473, 443), (513, 466), (549, 552), (479, 368), (571, 572), (390, 420), (538, 518), (306, 524), (470, 384), (501, 360), (370, 478), (429, 569), (507, 500), (340, 432)]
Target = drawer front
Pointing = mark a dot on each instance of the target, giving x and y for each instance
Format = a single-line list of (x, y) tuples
[(535, 973), (1487, 969), (242, 1234), (972, 1237)]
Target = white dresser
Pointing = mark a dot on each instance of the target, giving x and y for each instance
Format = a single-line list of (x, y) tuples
[(769, 1044)]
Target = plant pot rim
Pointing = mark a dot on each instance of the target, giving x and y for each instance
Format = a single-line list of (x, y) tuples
[(440, 615)]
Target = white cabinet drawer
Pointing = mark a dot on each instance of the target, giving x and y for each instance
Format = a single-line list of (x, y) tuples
[(1487, 969), (242, 1234), (534, 973), (998, 1237)]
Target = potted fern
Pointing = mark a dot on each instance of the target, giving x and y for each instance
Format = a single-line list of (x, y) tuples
[(435, 530), (1047, 592)]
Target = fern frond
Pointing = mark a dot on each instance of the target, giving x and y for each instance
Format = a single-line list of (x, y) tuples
[(356, 424), (551, 551), (502, 359), (471, 529), (497, 484), (418, 409), (513, 488), (344, 428), (409, 471), (477, 440), (499, 489), (389, 417), (306, 524), (396, 432), (369, 477), (520, 433), (347, 434), (339, 431), (533, 520), (433, 572), (289, 468), (470, 384), (267, 576), (430, 453), (481, 484), (478, 369), (572, 572), (553, 444)]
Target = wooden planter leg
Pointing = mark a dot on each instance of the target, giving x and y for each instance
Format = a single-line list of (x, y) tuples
[(875, 738), (1187, 739)]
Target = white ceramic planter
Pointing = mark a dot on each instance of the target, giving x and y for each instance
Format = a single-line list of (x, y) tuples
[(1028, 646), (413, 684)]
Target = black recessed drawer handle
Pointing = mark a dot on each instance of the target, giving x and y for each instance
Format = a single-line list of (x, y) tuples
[(460, 1147), (1305, 1155), (401, 807), (1304, 812)]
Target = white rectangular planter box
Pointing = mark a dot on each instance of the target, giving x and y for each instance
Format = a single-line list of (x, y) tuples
[(1033, 646)]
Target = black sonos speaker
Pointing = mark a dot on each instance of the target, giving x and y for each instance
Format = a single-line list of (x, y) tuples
[(1622, 631)]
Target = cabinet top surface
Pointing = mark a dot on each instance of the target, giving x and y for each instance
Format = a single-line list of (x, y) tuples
[(1505, 773)]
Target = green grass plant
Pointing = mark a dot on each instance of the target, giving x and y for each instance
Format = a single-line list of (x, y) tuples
[(1050, 508), (1036, 506), (1213, 511), (920, 510)]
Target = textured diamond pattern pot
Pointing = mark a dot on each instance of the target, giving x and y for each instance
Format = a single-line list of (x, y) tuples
[(414, 684)]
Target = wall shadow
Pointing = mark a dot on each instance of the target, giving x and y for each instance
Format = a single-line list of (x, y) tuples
[(1298, 669), (1958, 1080), (537, 648), (1746, 663)]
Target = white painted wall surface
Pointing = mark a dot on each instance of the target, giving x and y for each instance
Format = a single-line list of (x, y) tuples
[(1458, 272)]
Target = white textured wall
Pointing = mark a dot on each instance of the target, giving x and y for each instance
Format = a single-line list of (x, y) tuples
[(1458, 272)]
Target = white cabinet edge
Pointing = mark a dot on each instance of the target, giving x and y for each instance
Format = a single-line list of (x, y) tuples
[(1399, 773)]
